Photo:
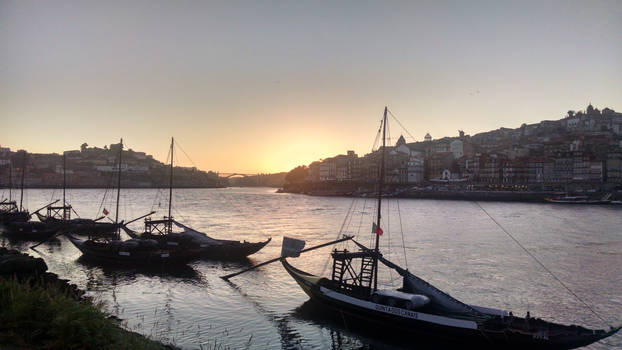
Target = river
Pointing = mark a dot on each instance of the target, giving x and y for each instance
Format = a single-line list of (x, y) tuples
[(454, 245)]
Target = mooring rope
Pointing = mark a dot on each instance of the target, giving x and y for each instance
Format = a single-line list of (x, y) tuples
[(542, 265)]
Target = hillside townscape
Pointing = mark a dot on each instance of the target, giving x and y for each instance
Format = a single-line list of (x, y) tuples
[(97, 167), (581, 152)]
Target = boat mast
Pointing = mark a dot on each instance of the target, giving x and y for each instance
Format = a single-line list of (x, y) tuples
[(21, 195), (116, 218), (380, 183), (10, 179), (169, 224), (64, 185)]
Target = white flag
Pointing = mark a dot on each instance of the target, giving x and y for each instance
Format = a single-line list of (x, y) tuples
[(291, 247)]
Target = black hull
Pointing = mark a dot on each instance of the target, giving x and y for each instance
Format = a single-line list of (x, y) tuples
[(104, 253), (483, 336), (14, 216), (29, 231), (221, 250), (232, 250), (82, 226)]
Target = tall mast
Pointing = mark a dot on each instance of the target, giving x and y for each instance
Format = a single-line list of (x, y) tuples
[(21, 195), (116, 218), (170, 191), (380, 183), (10, 179), (64, 185)]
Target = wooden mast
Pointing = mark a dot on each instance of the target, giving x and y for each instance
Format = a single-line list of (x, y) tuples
[(169, 223), (10, 179), (21, 195), (380, 183), (65, 216), (116, 218)]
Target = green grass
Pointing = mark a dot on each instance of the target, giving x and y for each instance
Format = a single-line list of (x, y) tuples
[(36, 317)]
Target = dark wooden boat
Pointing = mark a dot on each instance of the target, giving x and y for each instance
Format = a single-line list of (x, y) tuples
[(10, 212), (418, 310), (61, 216), (191, 239), (80, 226), (470, 326), (29, 231), (211, 248), (132, 252)]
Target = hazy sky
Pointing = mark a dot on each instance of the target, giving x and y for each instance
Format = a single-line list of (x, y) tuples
[(263, 86)]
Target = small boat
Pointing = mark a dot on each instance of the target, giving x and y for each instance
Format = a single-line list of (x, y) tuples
[(78, 226), (29, 230), (418, 310), (211, 248), (133, 252), (9, 211), (61, 216), (191, 239), (577, 200)]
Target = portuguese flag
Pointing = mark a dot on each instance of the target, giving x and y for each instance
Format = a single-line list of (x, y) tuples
[(376, 229)]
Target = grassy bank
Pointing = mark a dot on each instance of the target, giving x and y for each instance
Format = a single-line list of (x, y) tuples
[(40, 311), (32, 316)]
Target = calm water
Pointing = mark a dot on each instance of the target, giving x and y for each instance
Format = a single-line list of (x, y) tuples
[(452, 244)]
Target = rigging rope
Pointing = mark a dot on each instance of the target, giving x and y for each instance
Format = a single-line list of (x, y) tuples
[(373, 146), (400, 124), (399, 214), (348, 214), (542, 265)]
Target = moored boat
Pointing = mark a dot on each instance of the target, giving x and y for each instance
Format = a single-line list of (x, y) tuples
[(211, 248), (61, 217), (577, 200), (417, 309), (133, 252), (29, 230)]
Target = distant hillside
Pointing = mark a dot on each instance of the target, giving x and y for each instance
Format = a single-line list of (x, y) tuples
[(97, 167)]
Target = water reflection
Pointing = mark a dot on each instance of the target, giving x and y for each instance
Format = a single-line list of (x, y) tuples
[(130, 274)]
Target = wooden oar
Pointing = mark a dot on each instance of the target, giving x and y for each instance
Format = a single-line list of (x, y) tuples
[(138, 218), (45, 206), (345, 238)]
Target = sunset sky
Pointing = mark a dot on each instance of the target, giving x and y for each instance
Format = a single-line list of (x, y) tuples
[(263, 86)]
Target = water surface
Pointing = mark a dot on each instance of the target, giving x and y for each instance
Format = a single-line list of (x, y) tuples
[(452, 244)]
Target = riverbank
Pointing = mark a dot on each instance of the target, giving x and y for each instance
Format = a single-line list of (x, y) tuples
[(39, 310), (434, 192)]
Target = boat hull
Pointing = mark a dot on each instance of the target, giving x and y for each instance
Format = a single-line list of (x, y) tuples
[(103, 252), (218, 250), (433, 329), (82, 226), (29, 231)]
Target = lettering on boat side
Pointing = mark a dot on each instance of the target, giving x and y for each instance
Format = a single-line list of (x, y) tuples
[(397, 311), (543, 334), (124, 253), (447, 321), (165, 255)]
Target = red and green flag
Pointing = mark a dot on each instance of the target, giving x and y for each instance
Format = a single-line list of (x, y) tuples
[(376, 229)]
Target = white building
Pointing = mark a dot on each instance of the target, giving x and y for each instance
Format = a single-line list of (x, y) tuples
[(457, 148)]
